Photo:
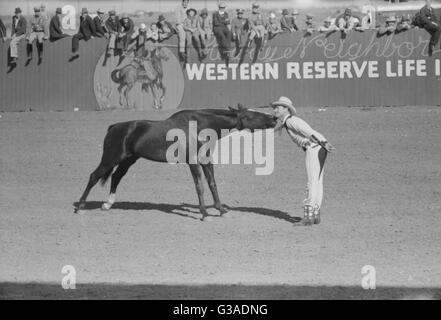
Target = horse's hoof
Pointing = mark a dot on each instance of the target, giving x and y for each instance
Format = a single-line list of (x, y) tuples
[(80, 212), (106, 206)]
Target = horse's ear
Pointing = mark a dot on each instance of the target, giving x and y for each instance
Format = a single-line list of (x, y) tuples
[(240, 107), (232, 109)]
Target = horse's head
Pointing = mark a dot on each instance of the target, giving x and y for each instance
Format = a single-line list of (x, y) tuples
[(253, 120), (160, 54)]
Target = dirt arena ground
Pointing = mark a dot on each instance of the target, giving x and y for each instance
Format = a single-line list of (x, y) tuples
[(382, 208)]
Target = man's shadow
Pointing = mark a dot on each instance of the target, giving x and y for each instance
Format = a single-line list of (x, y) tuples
[(190, 211)]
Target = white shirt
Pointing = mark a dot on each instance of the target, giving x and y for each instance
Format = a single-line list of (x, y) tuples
[(301, 132)]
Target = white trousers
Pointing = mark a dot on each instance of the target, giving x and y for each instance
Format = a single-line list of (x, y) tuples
[(315, 161)]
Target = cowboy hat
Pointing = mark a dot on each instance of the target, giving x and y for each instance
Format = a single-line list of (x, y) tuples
[(191, 9), (58, 11), (391, 19), (222, 5), (84, 11), (17, 10), (295, 12), (285, 102), (204, 11)]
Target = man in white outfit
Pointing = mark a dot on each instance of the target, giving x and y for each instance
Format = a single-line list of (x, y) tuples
[(316, 148)]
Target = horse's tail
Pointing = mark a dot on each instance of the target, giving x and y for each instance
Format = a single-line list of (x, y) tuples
[(106, 176), (115, 75)]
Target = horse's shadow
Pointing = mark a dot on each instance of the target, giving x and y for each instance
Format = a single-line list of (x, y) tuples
[(190, 211)]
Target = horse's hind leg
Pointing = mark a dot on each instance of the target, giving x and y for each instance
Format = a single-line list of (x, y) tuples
[(99, 173), (209, 175), (119, 173), (196, 172)]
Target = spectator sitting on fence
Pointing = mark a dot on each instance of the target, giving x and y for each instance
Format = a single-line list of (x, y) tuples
[(287, 23), (36, 33), (310, 25), (389, 27), (86, 32), (222, 31), (192, 26), (427, 19), (257, 25), (125, 35), (100, 25), (18, 33), (347, 22), (404, 24), (165, 28), (180, 16), (367, 22), (328, 26), (294, 15), (206, 25), (55, 30), (273, 26), (113, 28), (239, 28), (2, 31)]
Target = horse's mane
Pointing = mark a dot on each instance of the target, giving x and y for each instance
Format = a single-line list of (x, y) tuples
[(206, 112)]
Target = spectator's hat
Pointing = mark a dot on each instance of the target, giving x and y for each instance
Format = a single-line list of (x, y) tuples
[(295, 12), (285, 12), (272, 15), (405, 17), (190, 10), (256, 5), (391, 19), (328, 20), (112, 13), (204, 12), (161, 18), (125, 16), (58, 11), (99, 11), (348, 11), (142, 27), (222, 5), (84, 11), (240, 11), (37, 9), (285, 102), (17, 10), (309, 16)]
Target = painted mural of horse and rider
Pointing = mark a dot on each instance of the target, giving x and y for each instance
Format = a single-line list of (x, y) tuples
[(146, 68)]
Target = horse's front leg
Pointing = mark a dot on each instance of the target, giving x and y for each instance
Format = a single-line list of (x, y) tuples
[(162, 87), (209, 175), (196, 172)]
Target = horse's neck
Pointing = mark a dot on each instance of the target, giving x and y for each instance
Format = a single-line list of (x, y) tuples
[(222, 122)]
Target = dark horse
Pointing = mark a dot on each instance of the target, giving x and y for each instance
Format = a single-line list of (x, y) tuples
[(126, 142)]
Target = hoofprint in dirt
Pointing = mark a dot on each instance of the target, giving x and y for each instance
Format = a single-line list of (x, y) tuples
[(382, 207)]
